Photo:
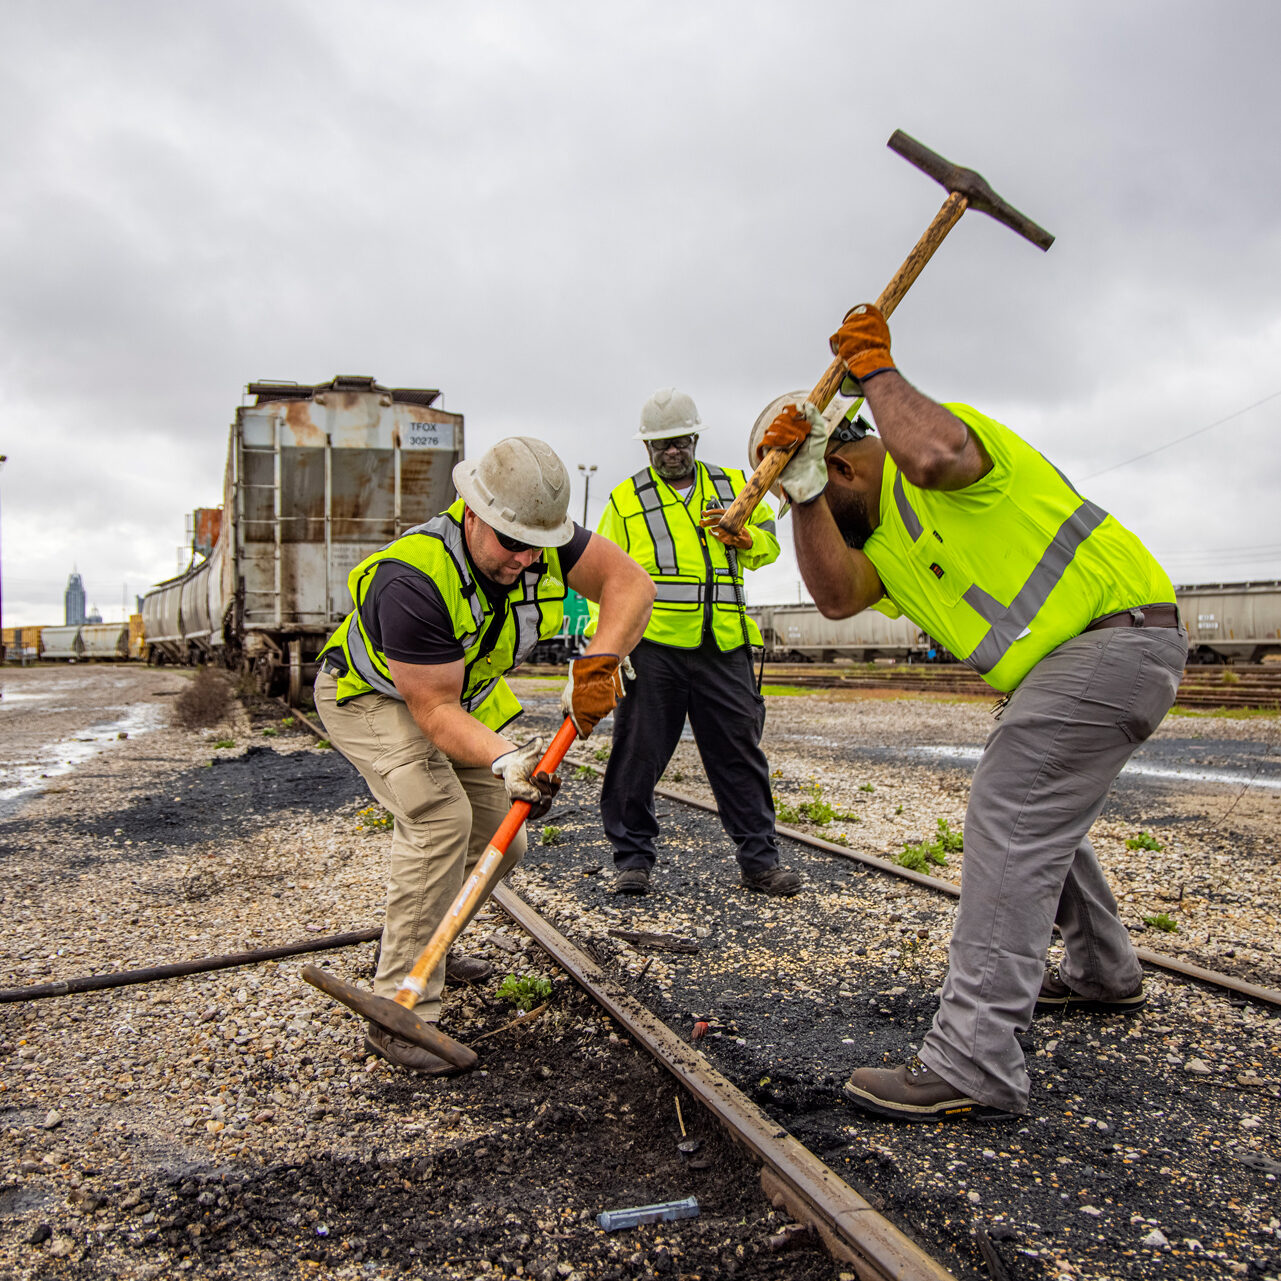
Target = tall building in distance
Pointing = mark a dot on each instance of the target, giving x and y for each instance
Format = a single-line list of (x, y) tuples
[(75, 600)]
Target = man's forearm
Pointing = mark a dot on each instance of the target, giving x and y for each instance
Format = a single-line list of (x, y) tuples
[(464, 739), (842, 581), (930, 445)]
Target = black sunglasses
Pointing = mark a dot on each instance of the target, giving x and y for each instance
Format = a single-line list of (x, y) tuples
[(512, 544), (670, 442)]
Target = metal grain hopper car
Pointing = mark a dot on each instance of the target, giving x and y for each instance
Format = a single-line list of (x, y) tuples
[(1226, 622), (317, 477)]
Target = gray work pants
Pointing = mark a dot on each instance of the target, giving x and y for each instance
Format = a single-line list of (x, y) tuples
[(1040, 784)]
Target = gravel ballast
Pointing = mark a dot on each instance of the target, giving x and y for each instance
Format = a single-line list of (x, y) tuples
[(237, 1111)]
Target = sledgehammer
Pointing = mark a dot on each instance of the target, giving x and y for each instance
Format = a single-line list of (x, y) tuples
[(398, 1016), (966, 190)]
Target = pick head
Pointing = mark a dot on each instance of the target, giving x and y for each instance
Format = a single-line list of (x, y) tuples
[(977, 193)]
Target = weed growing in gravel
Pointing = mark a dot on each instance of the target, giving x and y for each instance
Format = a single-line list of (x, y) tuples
[(1143, 842), (324, 745), (552, 835), (205, 700), (814, 810), (374, 818), (1162, 921), (524, 992), (584, 771), (601, 753), (866, 787), (224, 742), (674, 776), (270, 731), (287, 722), (1229, 678), (918, 858)]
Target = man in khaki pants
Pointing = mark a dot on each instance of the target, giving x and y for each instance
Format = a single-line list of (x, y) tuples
[(412, 688)]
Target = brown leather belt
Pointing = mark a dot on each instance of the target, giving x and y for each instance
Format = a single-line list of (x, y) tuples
[(1140, 616)]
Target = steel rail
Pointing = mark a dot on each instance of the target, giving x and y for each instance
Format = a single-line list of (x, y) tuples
[(179, 969), (791, 1175)]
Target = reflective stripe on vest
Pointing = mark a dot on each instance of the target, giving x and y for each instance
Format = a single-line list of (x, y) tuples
[(1007, 623)]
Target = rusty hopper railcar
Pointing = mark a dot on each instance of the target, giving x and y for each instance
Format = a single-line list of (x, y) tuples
[(801, 632), (1228, 621), (317, 478)]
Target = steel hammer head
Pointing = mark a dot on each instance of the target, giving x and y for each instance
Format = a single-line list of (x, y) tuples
[(965, 182)]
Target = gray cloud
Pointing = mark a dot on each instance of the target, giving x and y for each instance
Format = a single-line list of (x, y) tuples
[(549, 211)]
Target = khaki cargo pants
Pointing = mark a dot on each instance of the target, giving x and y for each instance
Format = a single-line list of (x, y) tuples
[(444, 817)]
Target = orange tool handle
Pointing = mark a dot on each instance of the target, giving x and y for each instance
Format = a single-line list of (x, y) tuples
[(480, 884)]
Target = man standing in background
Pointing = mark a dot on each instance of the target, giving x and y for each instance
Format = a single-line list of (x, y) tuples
[(696, 656)]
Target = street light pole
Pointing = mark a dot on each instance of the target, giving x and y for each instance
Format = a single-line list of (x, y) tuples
[(587, 487)]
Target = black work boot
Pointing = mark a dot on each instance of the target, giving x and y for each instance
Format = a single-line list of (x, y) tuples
[(1056, 997), (404, 1053), (632, 880), (466, 969), (773, 880), (911, 1092)]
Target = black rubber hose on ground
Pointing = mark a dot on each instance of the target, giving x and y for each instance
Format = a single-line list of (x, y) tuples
[(124, 978)]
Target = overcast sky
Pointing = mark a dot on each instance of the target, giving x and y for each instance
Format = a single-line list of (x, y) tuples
[(549, 210)]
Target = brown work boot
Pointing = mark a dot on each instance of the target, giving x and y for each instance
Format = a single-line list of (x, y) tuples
[(632, 880), (466, 969), (404, 1053), (1056, 997), (774, 880), (911, 1092)]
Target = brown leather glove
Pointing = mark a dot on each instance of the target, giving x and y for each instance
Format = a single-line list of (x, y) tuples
[(789, 428), (709, 521), (594, 687), (863, 342)]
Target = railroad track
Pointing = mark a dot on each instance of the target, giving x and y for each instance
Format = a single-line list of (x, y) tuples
[(1244, 685), (793, 1176)]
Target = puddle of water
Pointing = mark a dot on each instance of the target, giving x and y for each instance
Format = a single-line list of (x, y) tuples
[(63, 756), (1232, 778)]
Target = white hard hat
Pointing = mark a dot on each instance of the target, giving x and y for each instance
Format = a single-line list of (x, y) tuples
[(668, 413), (841, 412), (521, 488)]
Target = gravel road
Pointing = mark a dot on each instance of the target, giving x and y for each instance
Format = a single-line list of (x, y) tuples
[(227, 1124)]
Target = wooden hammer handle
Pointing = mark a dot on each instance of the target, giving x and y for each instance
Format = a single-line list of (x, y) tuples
[(480, 884), (771, 466)]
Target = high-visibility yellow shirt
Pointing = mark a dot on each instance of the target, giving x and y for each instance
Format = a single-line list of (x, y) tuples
[(698, 588), (1006, 569)]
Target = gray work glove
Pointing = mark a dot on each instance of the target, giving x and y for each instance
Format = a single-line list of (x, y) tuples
[(517, 770), (805, 476)]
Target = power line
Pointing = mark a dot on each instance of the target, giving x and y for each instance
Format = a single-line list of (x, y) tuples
[(1180, 439)]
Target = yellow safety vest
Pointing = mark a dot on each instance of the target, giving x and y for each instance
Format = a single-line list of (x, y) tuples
[(1010, 567), (494, 640), (698, 586)]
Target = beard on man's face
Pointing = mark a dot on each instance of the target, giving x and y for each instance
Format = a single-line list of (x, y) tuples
[(672, 464), (849, 510)]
